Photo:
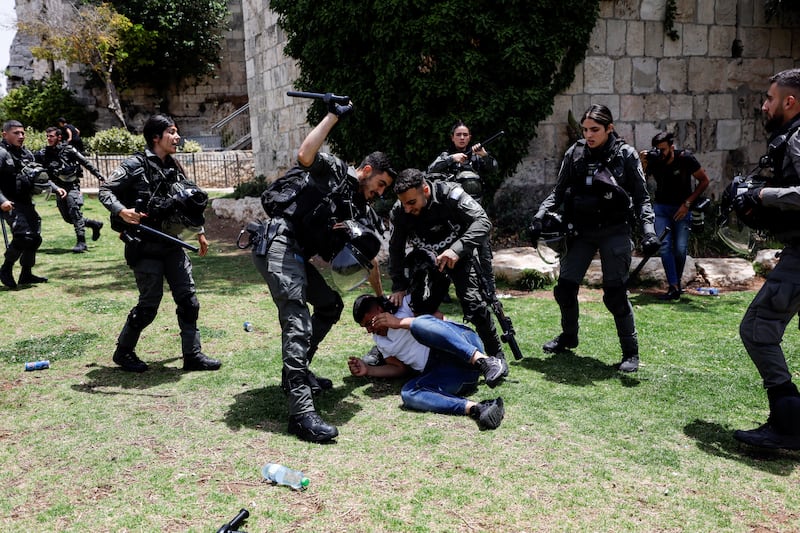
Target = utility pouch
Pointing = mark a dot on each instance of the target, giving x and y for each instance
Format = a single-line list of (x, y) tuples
[(256, 237)]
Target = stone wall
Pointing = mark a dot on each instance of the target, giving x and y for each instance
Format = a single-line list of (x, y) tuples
[(693, 86), (195, 108)]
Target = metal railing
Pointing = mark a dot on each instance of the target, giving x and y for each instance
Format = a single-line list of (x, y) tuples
[(234, 130), (210, 170)]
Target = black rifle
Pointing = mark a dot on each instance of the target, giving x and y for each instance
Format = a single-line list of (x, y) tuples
[(487, 141), (5, 232), (233, 525), (325, 97), (490, 295), (635, 272)]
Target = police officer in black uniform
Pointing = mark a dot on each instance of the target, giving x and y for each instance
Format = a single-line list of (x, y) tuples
[(64, 166), (776, 205), (465, 163), (441, 218), (310, 209), (600, 187), (17, 187), (152, 189)]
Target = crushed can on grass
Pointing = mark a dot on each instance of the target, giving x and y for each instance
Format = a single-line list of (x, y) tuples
[(248, 326), (36, 365)]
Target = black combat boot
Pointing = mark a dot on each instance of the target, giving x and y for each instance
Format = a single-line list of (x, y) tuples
[(95, 226), (80, 246), (26, 277), (7, 276), (200, 361), (311, 427)]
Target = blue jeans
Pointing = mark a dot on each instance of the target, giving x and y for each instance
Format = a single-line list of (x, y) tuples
[(676, 243), (448, 372)]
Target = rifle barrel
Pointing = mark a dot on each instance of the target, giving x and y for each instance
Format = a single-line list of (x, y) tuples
[(327, 97), (166, 236)]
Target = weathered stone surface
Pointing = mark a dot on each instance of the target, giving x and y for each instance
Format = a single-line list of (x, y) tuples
[(765, 261), (242, 211), (512, 263), (725, 272)]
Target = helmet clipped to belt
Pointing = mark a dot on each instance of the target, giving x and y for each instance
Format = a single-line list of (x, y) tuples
[(351, 266)]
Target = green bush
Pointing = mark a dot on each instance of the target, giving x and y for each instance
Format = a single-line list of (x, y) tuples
[(34, 139), (252, 188), (115, 141), (38, 103), (191, 147)]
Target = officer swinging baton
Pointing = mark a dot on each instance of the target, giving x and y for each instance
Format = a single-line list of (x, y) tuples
[(325, 97)]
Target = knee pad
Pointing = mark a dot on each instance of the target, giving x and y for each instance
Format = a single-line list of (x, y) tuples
[(616, 300), (27, 241), (188, 308), (566, 292), (330, 313), (141, 317)]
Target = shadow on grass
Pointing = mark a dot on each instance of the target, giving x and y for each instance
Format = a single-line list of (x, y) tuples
[(572, 369), (718, 440), (688, 304), (265, 408), (67, 345), (109, 379)]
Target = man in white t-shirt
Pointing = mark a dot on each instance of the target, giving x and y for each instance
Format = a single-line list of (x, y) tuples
[(446, 357)]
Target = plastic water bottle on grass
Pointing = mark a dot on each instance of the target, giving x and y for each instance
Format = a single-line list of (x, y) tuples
[(281, 475)]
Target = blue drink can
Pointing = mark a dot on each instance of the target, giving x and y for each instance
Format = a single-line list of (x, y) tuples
[(37, 365), (248, 326)]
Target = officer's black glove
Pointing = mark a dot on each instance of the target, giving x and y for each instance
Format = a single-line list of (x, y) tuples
[(650, 244), (747, 200), (535, 231), (340, 110), (387, 305)]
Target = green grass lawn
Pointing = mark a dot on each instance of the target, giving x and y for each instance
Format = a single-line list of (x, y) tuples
[(85, 446)]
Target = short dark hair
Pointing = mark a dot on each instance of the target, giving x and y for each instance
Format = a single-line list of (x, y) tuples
[(363, 304), (600, 114), (457, 125), (155, 126), (662, 137), (55, 129), (787, 78), (410, 178), (60, 120), (380, 163), (8, 124)]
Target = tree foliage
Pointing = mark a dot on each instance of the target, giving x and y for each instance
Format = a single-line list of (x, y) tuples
[(179, 39), (414, 67), (38, 103), (89, 35)]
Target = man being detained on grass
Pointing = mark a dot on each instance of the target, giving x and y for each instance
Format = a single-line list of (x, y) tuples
[(446, 357)]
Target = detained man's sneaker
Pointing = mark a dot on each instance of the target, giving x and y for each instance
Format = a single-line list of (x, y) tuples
[(766, 436), (129, 361), (492, 369), (488, 413), (374, 357), (311, 427), (200, 361), (502, 357), (561, 343), (629, 363)]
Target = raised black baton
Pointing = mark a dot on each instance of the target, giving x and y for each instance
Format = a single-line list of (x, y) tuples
[(326, 97)]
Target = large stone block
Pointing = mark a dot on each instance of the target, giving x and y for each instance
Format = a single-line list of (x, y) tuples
[(598, 75), (615, 37), (695, 39), (634, 42), (725, 272), (729, 134), (672, 75), (644, 75), (622, 75), (720, 40), (513, 263)]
